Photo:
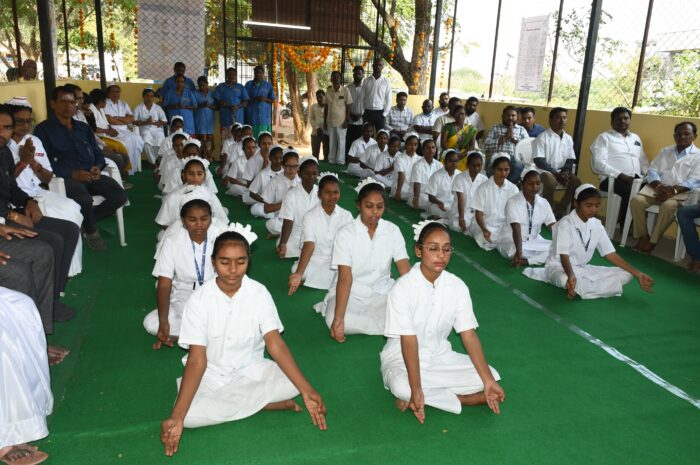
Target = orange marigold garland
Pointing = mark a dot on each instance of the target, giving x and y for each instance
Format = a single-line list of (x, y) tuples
[(81, 31), (136, 32)]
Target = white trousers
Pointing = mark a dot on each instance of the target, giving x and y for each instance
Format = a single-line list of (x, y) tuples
[(336, 137)]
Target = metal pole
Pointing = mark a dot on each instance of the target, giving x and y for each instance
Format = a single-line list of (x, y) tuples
[(495, 48), (100, 43), (65, 35), (640, 69), (586, 75), (44, 16), (18, 42), (225, 41), (235, 34), (436, 50), (554, 53), (452, 47), (342, 65)]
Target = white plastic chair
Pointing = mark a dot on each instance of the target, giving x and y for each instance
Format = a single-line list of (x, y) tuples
[(612, 210), (680, 245), (58, 186), (523, 153)]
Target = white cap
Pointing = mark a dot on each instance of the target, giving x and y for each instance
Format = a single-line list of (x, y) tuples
[(19, 102), (582, 188)]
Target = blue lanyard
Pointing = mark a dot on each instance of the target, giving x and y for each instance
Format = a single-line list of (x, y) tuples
[(530, 213), (200, 274), (585, 244)]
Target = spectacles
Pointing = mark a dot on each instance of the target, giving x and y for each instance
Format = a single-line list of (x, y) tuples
[(435, 249)]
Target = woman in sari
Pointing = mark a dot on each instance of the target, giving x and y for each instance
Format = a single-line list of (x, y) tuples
[(460, 136)]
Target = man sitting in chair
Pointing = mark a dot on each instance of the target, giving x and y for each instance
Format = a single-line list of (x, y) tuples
[(672, 175), (553, 154), (74, 155)]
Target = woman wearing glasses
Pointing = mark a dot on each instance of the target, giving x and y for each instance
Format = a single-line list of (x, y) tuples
[(418, 364)]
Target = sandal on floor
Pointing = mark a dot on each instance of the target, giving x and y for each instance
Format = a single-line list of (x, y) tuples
[(24, 456)]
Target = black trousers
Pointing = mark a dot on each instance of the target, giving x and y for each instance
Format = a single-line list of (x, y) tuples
[(375, 117), (30, 270), (623, 189), (82, 193), (316, 143)]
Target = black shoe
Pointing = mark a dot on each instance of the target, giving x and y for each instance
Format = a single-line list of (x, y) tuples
[(95, 241), (62, 312)]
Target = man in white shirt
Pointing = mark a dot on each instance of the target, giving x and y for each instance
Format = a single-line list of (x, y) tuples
[(376, 96), (473, 117), (423, 122), (673, 173), (618, 153), (318, 133), (554, 157), (443, 109), (336, 117), (356, 109), (399, 119)]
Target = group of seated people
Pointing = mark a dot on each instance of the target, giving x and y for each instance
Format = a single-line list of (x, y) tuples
[(226, 320), (41, 232)]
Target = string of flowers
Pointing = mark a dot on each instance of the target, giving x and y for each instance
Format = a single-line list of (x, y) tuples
[(81, 30), (311, 59), (273, 77), (282, 75), (393, 31), (416, 70), (448, 26), (110, 25), (368, 57)]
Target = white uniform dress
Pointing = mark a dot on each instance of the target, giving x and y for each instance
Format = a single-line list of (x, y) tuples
[(297, 202), (233, 150), (132, 141), (370, 261), (180, 259), (358, 149), (171, 176), (273, 193), (440, 187), (238, 381), (320, 228), (403, 163), (531, 219), (421, 172), (51, 204), (417, 307), (464, 184), (169, 211), (26, 398), (383, 161), (244, 169), (152, 135), (261, 180), (491, 200), (578, 239)]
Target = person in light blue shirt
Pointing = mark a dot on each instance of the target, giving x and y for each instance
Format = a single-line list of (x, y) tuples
[(232, 99), (204, 116), (258, 113), (169, 84), (181, 102)]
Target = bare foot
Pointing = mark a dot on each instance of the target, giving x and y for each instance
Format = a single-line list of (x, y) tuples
[(472, 399), (694, 267), (56, 354), (19, 455), (401, 405), (283, 405)]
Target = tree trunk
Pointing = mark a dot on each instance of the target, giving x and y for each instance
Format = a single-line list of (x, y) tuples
[(295, 100), (311, 89)]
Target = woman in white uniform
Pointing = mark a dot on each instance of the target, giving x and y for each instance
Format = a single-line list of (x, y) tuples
[(574, 240), (357, 155), (403, 167), (423, 308), (150, 118), (230, 149), (384, 165), (26, 398), (29, 151), (489, 205), (319, 227), (439, 187), (526, 213), (363, 251), (297, 202), (420, 175), (244, 169), (182, 265), (119, 116), (370, 156), (227, 325), (253, 197), (193, 175), (464, 188), (274, 193)]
